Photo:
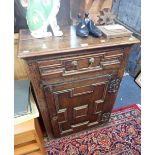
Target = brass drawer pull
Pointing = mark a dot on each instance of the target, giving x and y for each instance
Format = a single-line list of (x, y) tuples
[(74, 63), (91, 61)]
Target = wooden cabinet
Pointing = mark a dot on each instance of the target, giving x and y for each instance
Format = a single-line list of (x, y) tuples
[(75, 80)]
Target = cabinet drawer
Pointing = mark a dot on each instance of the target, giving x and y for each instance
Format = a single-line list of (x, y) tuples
[(80, 65)]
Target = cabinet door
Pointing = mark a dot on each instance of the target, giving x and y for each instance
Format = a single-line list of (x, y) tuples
[(76, 105)]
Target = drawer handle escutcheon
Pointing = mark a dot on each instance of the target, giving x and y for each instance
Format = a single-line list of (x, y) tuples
[(74, 63), (91, 61)]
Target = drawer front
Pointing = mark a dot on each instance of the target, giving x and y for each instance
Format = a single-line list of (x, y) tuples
[(72, 67), (76, 105)]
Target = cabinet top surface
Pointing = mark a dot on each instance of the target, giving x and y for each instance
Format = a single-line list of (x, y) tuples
[(31, 47)]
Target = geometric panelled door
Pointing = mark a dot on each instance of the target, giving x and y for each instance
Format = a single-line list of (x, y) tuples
[(74, 113)]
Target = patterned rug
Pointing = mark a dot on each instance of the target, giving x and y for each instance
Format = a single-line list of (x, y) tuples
[(121, 136)]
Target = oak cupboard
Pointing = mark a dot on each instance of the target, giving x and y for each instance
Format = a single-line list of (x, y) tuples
[(75, 80)]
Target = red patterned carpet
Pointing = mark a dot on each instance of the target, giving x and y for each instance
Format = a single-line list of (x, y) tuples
[(121, 136)]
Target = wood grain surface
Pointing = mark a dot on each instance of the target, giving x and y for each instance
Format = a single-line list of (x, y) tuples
[(29, 46)]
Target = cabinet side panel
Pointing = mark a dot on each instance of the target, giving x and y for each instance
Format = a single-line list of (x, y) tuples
[(35, 79), (115, 83)]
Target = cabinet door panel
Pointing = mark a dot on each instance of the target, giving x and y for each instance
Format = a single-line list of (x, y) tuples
[(77, 107)]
